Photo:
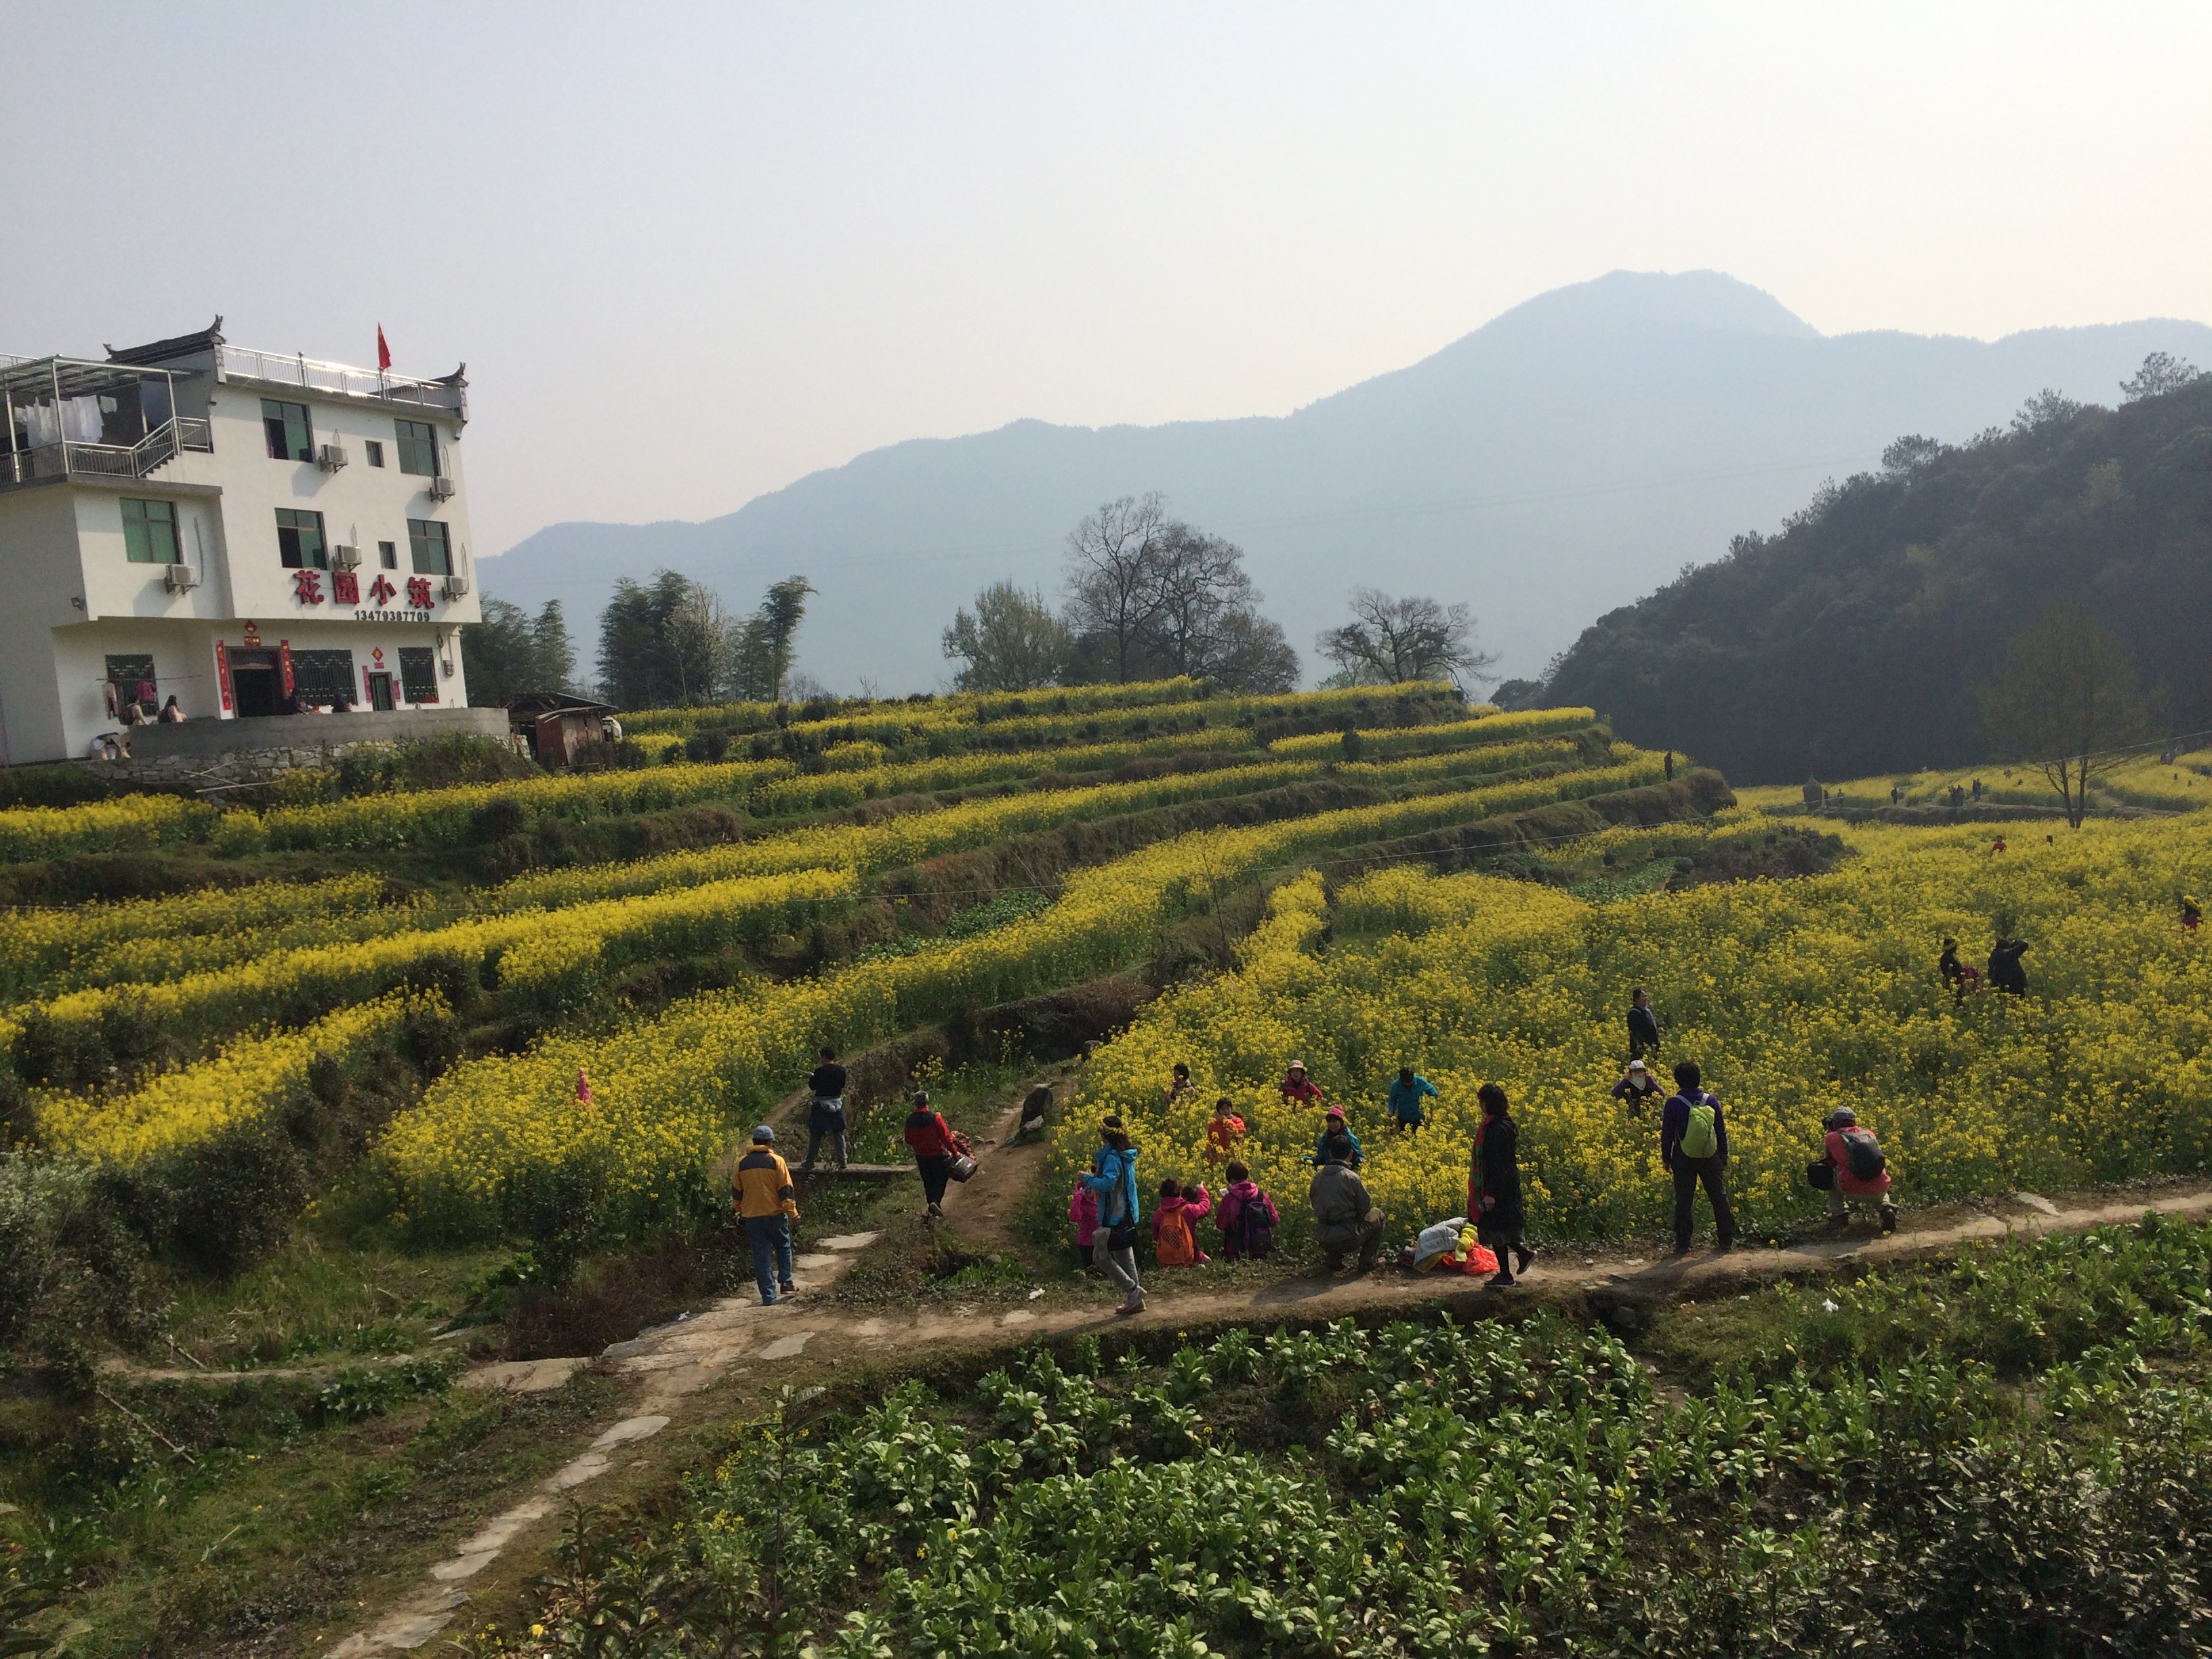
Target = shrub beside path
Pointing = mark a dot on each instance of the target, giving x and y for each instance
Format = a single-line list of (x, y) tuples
[(673, 1365)]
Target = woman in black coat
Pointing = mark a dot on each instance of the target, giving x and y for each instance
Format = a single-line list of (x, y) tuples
[(1498, 1217)]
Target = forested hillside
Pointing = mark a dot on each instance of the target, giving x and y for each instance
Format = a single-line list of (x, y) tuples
[(1858, 639)]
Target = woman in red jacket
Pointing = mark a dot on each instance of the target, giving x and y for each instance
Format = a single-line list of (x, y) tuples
[(934, 1147)]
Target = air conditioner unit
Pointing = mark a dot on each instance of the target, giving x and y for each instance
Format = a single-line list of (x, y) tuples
[(179, 578), (456, 586), (442, 488), (330, 457), (345, 558)]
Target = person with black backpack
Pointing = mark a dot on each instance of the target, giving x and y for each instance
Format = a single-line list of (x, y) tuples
[(1246, 1217), (1856, 1168), (1693, 1149)]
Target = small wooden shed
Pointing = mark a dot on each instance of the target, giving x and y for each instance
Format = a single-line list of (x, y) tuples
[(557, 726)]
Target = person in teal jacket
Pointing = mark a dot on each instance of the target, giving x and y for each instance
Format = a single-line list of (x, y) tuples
[(1407, 1094), (1113, 1181), (1333, 1124)]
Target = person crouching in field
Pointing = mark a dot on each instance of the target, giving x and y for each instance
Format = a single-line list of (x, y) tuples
[(1175, 1225), (1225, 1132), (1638, 1087), (1493, 1186), (1857, 1170), (1334, 1127), (1247, 1218), (769, 1207), (1345, 1218)]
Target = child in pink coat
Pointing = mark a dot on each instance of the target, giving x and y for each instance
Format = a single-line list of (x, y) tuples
[(1083, 1210)]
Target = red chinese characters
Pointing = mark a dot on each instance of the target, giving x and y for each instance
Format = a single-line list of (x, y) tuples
[(307, 587), (418, 592), (382, 590), (345, 587)]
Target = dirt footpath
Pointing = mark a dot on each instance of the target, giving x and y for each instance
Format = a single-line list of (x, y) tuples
[(722, 1361)]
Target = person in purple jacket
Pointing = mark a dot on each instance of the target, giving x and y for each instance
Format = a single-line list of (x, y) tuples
[(1693, 1148)]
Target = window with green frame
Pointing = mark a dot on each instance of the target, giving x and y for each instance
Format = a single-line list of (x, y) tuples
[(418, 448), (418, 673), (300, 539), (291, 434), (149, 533), (433, 551)]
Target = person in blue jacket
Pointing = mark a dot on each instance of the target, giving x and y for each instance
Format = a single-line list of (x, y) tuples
[(1113, 1181), (1407, 1094), (1333, 1124)]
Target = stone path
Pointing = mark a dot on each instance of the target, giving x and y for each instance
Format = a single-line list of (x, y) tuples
[(667, 1363), (737, 1334)]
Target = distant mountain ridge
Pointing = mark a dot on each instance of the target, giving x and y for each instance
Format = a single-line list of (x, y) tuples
[(1569, 455)]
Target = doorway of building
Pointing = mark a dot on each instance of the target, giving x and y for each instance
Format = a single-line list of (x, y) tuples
[(254, 684), (380, 693)]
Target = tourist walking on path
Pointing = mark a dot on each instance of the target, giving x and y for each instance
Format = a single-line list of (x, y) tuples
[(1297, 1089), (1345, 1218), (1493, 1186), (1638, 1087), (769, 1209), (1643, 1026), (1112, 1181), (1246, 1217), (826, 1120), (1334, 1127), (1408, 1090), (1693, 1149), (1858, 1170), (934, 1145)]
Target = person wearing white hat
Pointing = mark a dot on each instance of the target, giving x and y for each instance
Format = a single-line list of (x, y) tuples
[(1638, 1088)]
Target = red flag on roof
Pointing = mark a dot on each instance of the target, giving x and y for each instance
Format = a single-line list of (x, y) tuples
[(383, 351)]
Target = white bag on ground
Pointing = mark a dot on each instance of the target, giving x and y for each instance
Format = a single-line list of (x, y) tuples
[(1439, 1240)]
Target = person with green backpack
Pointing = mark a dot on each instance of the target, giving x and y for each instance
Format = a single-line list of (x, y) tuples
[(1693, 1148)]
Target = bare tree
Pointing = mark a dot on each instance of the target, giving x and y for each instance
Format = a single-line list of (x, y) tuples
[(1198, 581), (1112, 579), (1389, 642), (1011, 643), (2066, 705)]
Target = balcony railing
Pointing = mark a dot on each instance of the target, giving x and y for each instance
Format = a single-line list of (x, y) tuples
[(243, 363), (49, 463)]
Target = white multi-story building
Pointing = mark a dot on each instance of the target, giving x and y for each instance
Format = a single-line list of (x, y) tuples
[(251, 533)]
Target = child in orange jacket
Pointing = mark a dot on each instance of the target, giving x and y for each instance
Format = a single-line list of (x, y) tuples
[(1175, 1225)]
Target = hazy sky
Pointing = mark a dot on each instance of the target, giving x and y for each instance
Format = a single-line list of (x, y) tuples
[(690, 253)]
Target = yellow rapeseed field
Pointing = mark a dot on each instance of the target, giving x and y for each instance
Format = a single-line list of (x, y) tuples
[(1795, 997), (668, 1092), (251, 1078)]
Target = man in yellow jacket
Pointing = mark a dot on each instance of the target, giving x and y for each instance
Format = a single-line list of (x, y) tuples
[(769, 1208)]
